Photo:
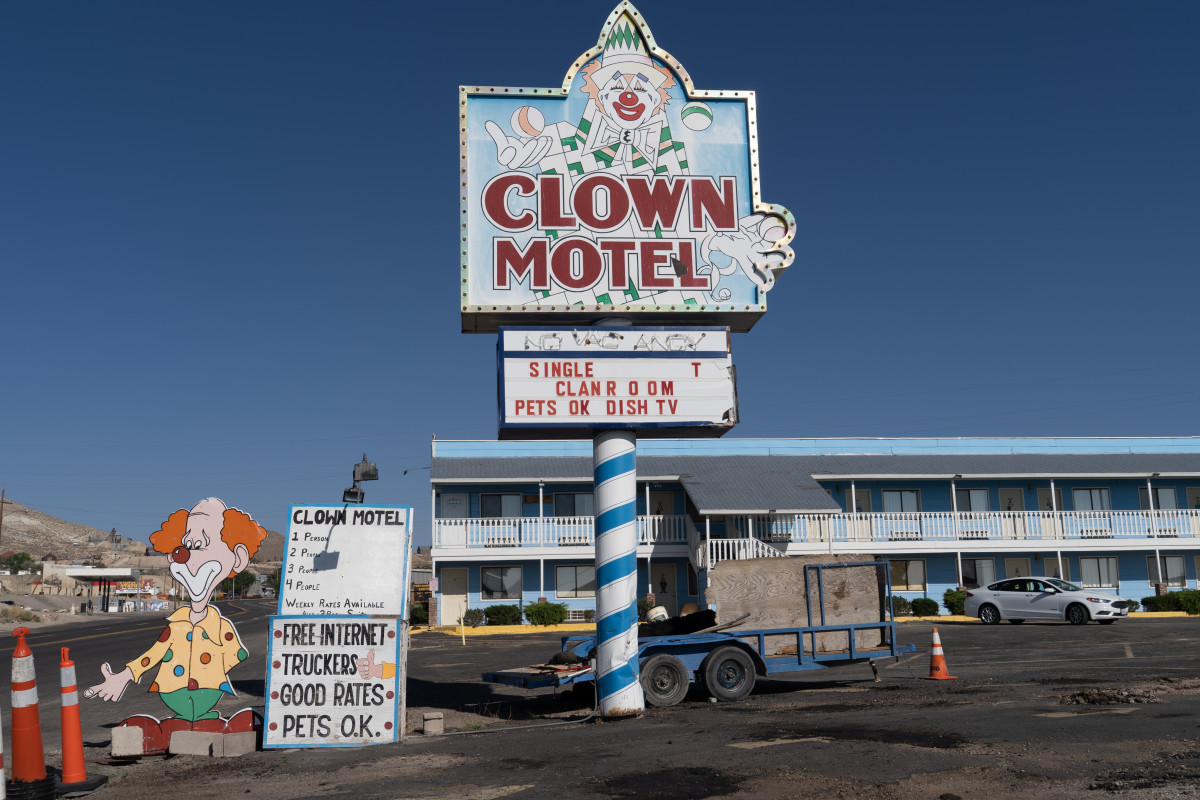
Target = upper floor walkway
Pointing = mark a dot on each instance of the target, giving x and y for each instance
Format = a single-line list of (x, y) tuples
[(938, 528)]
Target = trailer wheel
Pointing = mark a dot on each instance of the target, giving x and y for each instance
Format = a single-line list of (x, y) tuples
[(664, 680), (729, 674)]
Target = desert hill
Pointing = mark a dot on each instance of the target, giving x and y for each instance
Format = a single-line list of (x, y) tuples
[(27, 530)]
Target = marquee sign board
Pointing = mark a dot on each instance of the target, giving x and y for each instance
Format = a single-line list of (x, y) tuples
[(332, 681), (626, 192), (559, 382), (346, 559)]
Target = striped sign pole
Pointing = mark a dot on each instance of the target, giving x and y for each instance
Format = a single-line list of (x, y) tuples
[(614, 470)]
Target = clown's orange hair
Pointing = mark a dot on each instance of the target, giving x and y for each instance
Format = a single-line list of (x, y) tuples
[(238, 528)]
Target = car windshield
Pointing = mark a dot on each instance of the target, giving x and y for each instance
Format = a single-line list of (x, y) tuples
[(1066, 586)]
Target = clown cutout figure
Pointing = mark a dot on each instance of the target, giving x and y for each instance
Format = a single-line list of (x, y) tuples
[(677, 165), (198, 647)]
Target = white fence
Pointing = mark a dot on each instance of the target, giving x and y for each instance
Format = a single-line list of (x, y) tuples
[(946, 526), (551, 531)]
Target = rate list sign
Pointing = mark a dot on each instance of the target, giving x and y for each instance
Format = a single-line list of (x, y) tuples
[(332, 682), (346, 560)]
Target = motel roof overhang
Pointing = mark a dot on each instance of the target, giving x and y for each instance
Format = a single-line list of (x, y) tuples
[(785, 484)]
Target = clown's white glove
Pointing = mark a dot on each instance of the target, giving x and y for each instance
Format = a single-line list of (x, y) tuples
[(750, 248), (517, 153)]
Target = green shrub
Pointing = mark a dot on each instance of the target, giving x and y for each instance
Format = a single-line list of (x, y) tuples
[(546, 613), (1164, 602), (10, 614), (644, 606), (418, 614), (1133, 605), (503, 615), (927, 607), (473, 617), (1189, 601), (900, 606), (589, 615), (955, 601)]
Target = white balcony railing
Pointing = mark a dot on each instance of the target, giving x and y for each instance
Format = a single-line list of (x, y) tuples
[(550, 531), (781, 530), (946, 526)]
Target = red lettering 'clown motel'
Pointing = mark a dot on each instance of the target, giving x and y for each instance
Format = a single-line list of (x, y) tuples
[(624, 192)]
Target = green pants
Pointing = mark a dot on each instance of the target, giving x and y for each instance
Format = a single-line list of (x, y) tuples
[(193, 704)]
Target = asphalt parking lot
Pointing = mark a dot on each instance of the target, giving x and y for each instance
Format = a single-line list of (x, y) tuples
[(1041, 710)]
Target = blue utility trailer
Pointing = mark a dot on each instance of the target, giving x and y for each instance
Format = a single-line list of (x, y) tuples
[(727, 662)]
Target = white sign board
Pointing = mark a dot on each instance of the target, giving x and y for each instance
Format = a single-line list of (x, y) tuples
[(332, 682), (657, 380), (346, 559)]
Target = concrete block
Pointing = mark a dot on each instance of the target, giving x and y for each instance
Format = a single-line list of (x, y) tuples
[(195, 743), (238, 744), (433, 724), (127, 742)]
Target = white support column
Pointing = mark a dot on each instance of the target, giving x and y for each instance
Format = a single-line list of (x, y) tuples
[(614, 466), (954, 506), (1150, 498)]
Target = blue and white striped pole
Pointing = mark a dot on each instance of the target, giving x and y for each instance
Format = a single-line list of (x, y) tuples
[(614, 470)]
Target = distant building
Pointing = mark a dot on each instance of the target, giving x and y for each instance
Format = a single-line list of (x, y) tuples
[(513, 521)]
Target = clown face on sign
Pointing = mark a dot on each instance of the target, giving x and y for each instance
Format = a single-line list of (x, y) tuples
[(622, 192)]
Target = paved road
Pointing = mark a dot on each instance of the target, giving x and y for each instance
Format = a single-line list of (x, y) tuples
[(116, 639), (1000, 730)]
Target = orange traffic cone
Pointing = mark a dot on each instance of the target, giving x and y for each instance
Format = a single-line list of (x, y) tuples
[(28, 761), (937, 662), (74, 780), (73, 770)]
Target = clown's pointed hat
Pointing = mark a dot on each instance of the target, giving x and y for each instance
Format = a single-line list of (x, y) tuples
[(625, 52)]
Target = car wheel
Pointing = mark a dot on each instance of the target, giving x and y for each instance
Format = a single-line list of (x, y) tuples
[(664, 680), (989, 615), (1016, 621), (729, 674), (1106, 621), (1077, 614)]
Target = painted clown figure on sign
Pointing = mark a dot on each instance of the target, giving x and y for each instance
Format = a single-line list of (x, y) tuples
[(627, 191), (198, 647)]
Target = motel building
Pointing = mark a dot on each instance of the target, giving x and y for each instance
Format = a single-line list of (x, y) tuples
[(513, 520)]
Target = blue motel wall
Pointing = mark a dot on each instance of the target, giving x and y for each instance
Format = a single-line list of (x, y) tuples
[(512, 521)]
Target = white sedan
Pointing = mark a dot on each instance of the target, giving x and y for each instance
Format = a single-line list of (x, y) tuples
[(1019, 599)]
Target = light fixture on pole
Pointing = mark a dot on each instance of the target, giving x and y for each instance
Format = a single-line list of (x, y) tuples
[(363, 471)]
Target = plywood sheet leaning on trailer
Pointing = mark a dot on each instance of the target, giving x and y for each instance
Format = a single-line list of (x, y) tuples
[(774, 593)]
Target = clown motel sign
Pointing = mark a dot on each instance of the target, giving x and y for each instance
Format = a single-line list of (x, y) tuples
[(346, 559), (625, 192), (332, 681), (660, 381)]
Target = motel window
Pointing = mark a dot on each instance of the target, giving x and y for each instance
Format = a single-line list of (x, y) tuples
[(901, 500), (1168, 570), (499, 505), (1098, 573), (1091, 499), (500, 583), (572, 504), (907, 575), (978, 572), (1164, 497), (575, 580), (971, 499)]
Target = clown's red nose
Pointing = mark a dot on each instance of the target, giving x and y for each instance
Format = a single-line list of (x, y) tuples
[(180, 555), (628, 98)]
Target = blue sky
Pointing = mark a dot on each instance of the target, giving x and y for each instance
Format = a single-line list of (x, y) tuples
[(228, 231)]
